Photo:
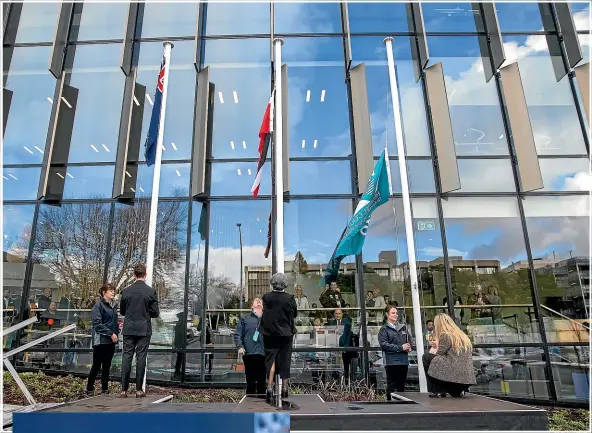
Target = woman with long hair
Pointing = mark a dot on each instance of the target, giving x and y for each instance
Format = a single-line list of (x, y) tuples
[(450, 369), (105, 330), (395, 342)]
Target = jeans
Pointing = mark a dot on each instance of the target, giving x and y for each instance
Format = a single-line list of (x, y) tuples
[(102, 356)]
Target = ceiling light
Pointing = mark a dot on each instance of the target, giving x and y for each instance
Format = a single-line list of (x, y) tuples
[(244, 144), (60, 175), (178, 174), (221, 97), (106, 148), (5, 178), (322, 96), (136, 101), (238, 171), (69, 175), (174, 145), (163, 148), (315, 144), (66, 102), (232, 144), (303, 144), (259, 230), (133, 190), (141, 189), (13, 176), (501, 136), (308, 96), (50, 100), (249, 171), (28, 150), (235, 96), (127, 174), (94, 148), (149, 99), (36, 147)]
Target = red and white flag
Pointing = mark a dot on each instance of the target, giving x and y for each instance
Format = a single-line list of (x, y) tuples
[(265, 133)]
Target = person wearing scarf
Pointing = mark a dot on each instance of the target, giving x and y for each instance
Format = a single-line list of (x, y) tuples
[(277, 327), (249, 342)]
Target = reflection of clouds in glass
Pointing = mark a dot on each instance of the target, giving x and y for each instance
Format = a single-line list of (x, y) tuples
[(307, 17), (16, 225), (169, 19), (237, 18), (566, 174), (439, 252), (102, 21)]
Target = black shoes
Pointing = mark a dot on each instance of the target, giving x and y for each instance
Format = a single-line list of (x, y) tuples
[(269, 396), (437, 395)]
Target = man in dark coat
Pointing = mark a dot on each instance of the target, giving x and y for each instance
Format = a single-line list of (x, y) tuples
[(277, 327), (139, 304)]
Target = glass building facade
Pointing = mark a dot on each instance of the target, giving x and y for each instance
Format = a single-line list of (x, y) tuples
[(78, 86)]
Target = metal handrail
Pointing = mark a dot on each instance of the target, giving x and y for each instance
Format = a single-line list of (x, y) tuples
[(565, 317)]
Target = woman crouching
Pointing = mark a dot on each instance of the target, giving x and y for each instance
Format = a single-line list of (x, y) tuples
[(450, 369)]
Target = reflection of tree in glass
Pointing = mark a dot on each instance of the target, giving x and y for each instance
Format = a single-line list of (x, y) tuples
[(72, 242), (222, 292), (299, 265)]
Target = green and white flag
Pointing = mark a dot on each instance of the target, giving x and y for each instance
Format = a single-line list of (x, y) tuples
[(377, 192)]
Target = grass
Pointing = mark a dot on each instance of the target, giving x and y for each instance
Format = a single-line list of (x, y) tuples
[(57, 389)]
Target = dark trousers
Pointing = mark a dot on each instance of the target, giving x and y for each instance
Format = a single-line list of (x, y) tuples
[(440, 386), (179, 363), (347, 357), (255, 373), (395, 379), (138, 345), (102, 356)]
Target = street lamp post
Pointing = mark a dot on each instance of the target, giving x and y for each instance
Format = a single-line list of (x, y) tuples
[(240, 239)]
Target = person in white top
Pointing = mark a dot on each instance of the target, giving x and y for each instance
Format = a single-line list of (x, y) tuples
[(302, 305)]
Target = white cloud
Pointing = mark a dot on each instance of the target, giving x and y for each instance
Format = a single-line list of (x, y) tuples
[(438, 252)]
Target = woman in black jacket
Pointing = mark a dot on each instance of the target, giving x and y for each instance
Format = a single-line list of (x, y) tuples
[(277, 327), (105, 330)]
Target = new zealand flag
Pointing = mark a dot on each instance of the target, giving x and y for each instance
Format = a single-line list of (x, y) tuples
[(152, 137)]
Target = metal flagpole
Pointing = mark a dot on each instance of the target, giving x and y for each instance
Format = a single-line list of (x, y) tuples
[(407, 213), (278, 154), (156, 179)]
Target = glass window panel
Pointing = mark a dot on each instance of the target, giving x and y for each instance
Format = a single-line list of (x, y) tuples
[(571, 372), (490, 271), (377, 17), (372, 52), (316, 226), (519, 17), (236, 178), (581, 15), (33, 88), (420, 176), (100, 21), (20, 183), (565, 174), (178, 130), (307, 18), (225, 274), (559, 232), (316, 86), (486, 175), (474, 104), (327, 177), (386, 262), (196, 274), (69, 258), (585, 43), (16, 229), (99, 80), (168, 19), (237, 18), (550, 103), (241, 72), (38, 22), (87, 182), (174, 180), (449, 17)]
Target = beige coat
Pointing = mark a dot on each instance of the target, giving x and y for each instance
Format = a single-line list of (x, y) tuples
[(450, 366)]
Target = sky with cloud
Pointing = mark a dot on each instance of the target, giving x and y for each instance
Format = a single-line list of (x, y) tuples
[(486, 228)]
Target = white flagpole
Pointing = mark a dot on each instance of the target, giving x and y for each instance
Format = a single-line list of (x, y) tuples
[(407, 213), (156, 179), (279, 158)]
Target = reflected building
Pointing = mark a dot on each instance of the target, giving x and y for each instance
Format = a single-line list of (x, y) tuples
[(497, 162)]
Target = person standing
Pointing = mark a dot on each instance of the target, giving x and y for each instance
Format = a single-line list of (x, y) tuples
[(302, 305), (139, 304), (395, 342), (450, 369), (332, 298), (105, 331), (277, 327), (249, 342)]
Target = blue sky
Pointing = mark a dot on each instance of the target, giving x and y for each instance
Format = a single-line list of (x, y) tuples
[(318, 120)]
